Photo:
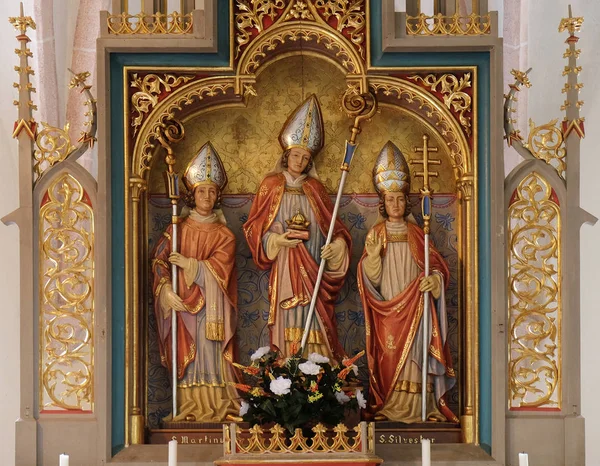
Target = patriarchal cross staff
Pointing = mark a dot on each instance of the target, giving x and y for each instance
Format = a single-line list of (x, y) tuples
[(361, 107), (426, 208)]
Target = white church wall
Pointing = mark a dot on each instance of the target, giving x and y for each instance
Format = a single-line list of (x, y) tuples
[(546, 47)]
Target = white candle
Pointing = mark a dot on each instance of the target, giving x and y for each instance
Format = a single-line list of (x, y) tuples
[(63, 460), (523, 459), (173, 453), (426, 452), (427, 7)]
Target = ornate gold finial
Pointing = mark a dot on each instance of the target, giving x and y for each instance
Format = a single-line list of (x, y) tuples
[(522, 77), (570, 24), (22, 22)]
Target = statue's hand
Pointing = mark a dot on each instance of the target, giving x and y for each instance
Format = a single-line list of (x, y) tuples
[(332, 250), (180, 261), (282, 241), (189, 266), (431, 284), (373, 246), (171, 300)]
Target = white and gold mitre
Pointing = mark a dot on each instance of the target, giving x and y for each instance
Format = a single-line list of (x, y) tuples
[(391, 173), (304, 128), (205, 166)]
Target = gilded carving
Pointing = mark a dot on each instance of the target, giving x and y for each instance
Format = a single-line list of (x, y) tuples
[(455, 25), (535, 302), (350, 16), (300, 11), (150, 87), (455, 98), (54, 145), (206, 89), (250, 16), (256, 54), (333, 23), (274, 440), (452, 137), (157, 23), (546, 142), (66, 276)]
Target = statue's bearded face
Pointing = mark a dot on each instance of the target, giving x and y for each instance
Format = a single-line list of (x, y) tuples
[(298, 160), (205, 197), (395, 205)]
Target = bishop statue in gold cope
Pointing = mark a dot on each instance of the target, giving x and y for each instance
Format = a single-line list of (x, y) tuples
[(286, 231), (391, 284), (205, 300)]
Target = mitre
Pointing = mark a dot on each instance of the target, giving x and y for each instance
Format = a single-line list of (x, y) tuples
[(391, 173), (304, 128), (205, 166)]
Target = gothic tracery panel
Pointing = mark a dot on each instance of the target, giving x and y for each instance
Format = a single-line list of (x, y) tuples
[(66, 299), (535, 302)]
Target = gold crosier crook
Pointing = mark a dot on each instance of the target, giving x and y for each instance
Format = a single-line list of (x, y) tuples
[(361, 107), (426, 192), (172, 133)]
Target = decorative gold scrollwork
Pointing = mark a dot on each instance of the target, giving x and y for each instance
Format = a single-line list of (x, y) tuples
[(150, 87), (546, 142), (455, 25), (347, 17), (350, 15), (54, 145), (299, 10), (535, 302), (66, 274), (251, 17), (452, 88), (142, 23)]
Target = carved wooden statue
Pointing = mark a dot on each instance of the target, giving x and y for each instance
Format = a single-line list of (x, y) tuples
[(286, 230), (205, 299), (391, 284)]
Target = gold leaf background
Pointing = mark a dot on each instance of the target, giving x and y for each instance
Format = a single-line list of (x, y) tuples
[(247, 138)]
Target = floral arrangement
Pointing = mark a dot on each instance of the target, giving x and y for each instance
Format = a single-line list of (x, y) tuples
[(296, 392)]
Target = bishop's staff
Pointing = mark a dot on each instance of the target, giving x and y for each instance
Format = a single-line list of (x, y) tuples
[(361, 107), (426, 209), (172, 187)]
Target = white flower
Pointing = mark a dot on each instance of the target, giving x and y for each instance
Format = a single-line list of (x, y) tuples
[(318, 358), (342, 397), (309, 368), (361, 399), (244, 408), (280, 386), (260, 352)]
